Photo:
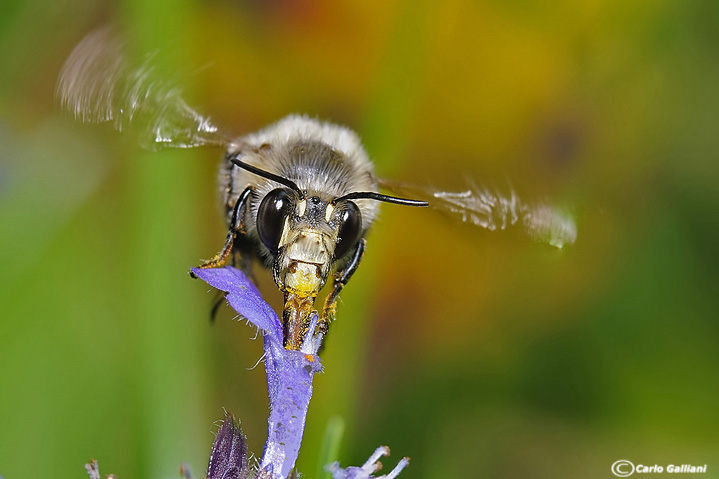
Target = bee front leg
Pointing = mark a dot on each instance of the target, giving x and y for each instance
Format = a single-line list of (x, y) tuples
[(237, 225), (341, 279)]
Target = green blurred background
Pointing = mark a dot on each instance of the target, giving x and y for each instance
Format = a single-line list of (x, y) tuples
[(477, 354)]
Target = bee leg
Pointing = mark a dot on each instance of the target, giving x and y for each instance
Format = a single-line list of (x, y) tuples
[(236, 226), (241, 257), (341, 279), (216, 303)]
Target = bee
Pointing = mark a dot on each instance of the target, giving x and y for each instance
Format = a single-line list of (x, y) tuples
[(299, 195)]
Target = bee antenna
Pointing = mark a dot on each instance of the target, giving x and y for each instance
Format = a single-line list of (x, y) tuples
[(371, 195), (266, 174)]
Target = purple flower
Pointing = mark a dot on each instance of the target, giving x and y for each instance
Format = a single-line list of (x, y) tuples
[(289, 373), (372, 465), (289, 384), (228, 459)]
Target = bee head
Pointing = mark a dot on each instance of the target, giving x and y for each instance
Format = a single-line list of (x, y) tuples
[(306, 235)]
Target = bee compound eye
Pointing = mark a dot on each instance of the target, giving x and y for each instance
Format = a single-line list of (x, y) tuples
[(350, 229), (274, 208)]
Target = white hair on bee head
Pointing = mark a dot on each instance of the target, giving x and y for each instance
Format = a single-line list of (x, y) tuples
[(296, 127), (274, 149)]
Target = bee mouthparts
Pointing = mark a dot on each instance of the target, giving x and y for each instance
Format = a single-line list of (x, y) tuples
[(303, 279)]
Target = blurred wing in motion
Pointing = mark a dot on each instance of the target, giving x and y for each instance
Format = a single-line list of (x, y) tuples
[(492, 210), (96, 85)]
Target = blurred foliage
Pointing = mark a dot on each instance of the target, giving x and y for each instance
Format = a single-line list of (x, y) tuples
[(476, 354)]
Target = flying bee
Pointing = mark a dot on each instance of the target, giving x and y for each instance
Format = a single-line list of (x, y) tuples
[(299, 195), (302, 195)]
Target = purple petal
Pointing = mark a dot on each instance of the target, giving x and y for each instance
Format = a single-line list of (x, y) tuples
[(289, 382), (244, 298), (289, 373), (228, 459)]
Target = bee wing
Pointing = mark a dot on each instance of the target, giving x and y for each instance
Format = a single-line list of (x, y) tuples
[(97, 85), (493, 210)]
